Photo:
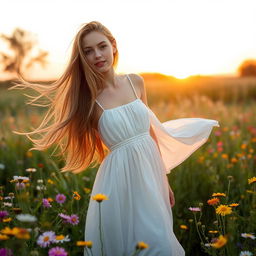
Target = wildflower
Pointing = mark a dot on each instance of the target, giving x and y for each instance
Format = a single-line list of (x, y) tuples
[(21, 179), (218, 194), (2, 166), (76, 195), (224, 156), (213, 201), (57, 251), (213, 231), (234, 160), (60, 198), (3, 237), (85, 243), (223, 210), (73, 219), (7, 220), (220, 242), (87, 190), (40, 181), (31, 170), (251, 180), (5, 251), (184, 227), (194, 209), (3, 214), (234, 205), (64, 217), (46, 203), (26, 217), (245, 253), (61, 239), (248, 235), (22, 233), (50, 181), (20, 185), (16, 210), (141, 245), (100, 197), (46, 239), (7, 204)]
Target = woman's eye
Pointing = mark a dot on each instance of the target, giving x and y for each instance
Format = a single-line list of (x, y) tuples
[(103, 46), (86, 52)]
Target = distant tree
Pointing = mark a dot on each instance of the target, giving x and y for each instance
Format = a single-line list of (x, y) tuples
[(21, 45), (248, 68)]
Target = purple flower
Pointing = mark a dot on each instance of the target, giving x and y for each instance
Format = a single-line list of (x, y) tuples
[(73, 219), (57, 251), (20, 185), (194, 209), (46, 203), (60, 198), (46, 239), (3, 214), (64, 217), (5, 252)]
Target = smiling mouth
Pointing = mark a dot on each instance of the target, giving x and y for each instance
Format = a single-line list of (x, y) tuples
[(99, 64)]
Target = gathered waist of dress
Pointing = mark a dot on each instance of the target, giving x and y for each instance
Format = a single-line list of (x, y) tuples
[(130, 140)]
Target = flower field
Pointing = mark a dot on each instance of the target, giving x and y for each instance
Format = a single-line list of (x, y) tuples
[(43, 211)]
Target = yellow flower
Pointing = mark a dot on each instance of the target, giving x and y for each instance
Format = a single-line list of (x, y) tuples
[(234, 205), (76, 195), (213, 231), (223, 210), (141, 245), (218, 194), (100, 197), (7, 219), (4, 237), (233, 160), (243, 146), (60, 237), (184, 227), (29, 154), (87, 190), (23, 234), (85, 243), (213, 201), (225, 156), (221, 241), (50, 181), (251, 180)]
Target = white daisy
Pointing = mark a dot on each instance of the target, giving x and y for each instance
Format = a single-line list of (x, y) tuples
[(248, 235), (26, 218), (245, 253)]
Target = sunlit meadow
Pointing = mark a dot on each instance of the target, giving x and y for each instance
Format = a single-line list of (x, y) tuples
[(43, 211)]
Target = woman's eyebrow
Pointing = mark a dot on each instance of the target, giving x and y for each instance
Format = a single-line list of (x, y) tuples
[(97, 44)]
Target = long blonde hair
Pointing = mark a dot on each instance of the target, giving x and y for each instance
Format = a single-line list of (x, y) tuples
[(70, 122)]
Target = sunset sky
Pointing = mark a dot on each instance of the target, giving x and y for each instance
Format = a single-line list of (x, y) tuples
[(178, 38)]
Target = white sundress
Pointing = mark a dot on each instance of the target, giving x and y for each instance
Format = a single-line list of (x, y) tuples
[(133, 177)]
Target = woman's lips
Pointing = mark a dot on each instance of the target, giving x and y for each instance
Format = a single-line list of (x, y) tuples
[(100, 64)]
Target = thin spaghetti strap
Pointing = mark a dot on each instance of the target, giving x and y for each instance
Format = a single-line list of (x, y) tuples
[(100, 105), (132, 86)]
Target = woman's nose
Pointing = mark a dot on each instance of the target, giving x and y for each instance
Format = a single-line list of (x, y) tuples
[(97, 53)]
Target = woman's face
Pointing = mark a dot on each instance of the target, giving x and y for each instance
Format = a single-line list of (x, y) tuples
[(99, 51)]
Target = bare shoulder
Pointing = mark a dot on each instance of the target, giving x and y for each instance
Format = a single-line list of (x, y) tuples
[(138, 81)]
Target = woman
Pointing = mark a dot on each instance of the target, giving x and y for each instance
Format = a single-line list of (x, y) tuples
[(96, 109)]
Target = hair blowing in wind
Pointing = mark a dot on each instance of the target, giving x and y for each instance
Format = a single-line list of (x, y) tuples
[(70, 122)]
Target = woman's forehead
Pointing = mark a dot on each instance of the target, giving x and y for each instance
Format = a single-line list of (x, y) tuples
[(94, 38)]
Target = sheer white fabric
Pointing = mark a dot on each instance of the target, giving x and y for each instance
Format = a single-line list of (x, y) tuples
[(133, 176)]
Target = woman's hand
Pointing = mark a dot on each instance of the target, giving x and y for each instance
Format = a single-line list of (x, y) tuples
[(171, 196)]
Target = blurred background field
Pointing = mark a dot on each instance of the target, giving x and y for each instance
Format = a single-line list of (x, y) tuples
[(230, 151)]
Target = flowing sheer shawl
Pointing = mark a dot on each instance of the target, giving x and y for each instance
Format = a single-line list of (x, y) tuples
[(179, 138)]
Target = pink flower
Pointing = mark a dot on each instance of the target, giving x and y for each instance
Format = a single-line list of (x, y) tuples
[(60, 198), (64, 217), (46, 203), (73, 219), (194, 209), (57, 251)]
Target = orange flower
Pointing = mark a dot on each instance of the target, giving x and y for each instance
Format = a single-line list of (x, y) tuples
[(213, 201), (234, 205), (218, 194), (220, 242), (76, 195)]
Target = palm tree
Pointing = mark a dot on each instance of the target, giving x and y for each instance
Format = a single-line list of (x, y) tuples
[(21, 43)]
